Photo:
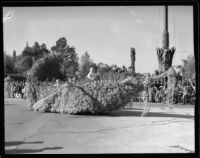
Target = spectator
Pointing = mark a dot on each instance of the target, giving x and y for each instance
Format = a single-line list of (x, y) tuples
[(158, 96), (180, 92), (23, 90), (12, 89), (176, 90), (185, 93)]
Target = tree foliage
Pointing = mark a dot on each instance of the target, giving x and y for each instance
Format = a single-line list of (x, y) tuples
[(9, 64), (70, 58), (84, 64), (190, 67), (14, 56), (63, 60), (36, 51), (47, 67), (27, 62), (60, 46), (29, 55), (103, 68)]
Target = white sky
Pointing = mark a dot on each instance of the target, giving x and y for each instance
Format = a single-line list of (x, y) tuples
[(107, 33)]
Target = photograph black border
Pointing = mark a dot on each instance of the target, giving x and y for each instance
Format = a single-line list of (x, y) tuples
[(37, 3)]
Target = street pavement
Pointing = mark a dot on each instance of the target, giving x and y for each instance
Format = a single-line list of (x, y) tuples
[(124, 131)]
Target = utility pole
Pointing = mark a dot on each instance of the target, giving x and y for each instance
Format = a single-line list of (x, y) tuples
[(165, 54), (165, 42)]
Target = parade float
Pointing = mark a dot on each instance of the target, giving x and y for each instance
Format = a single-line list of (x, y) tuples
[(92, 96)]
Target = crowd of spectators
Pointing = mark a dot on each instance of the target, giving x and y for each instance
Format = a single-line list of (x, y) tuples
[(185, 91), (17, 89)]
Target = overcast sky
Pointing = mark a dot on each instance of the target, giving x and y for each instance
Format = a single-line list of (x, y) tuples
[(106, 33)]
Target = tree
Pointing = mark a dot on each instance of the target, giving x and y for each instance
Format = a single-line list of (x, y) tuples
[(30, 55), (190, 67), (84, 64), (9, 64), (36, 51), (103, 68), (62, 60), (14, 56), (44, 49), (27, 62), (48, 66), (60, 46), (69, 55)]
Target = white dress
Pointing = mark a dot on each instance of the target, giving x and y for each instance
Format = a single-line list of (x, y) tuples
[(90, 75)]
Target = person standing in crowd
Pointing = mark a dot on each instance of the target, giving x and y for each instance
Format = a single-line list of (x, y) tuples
[(20, 90), (157, 85), (161, 94), (154, 90), (185, 93), (193, 95), (151, 95), (165, 95), (23, 89), (17, 91), (176, 91), (192, 84), (192, 92), (158, 97), (12, 90), (180, 92), (157, 91)]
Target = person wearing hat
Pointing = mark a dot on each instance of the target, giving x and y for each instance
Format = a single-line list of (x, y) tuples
[(185, 93)]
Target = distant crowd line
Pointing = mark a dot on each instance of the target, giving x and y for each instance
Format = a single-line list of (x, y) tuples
[(185, 91), (16, 89)]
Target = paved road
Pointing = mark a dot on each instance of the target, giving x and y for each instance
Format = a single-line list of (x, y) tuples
[(28, 132)]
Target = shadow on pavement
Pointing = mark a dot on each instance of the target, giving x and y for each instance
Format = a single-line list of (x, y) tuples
[(26, 151), (130, 108), (21, 142), (29, 151), (180, 147), (150, 114), (12, 104)]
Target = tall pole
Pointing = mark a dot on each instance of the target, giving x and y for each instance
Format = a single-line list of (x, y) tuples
[(165, 54), (165, 42), (133, 60)]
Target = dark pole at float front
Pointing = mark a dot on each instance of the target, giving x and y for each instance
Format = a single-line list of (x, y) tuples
[(165, 42), (166, 18)]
